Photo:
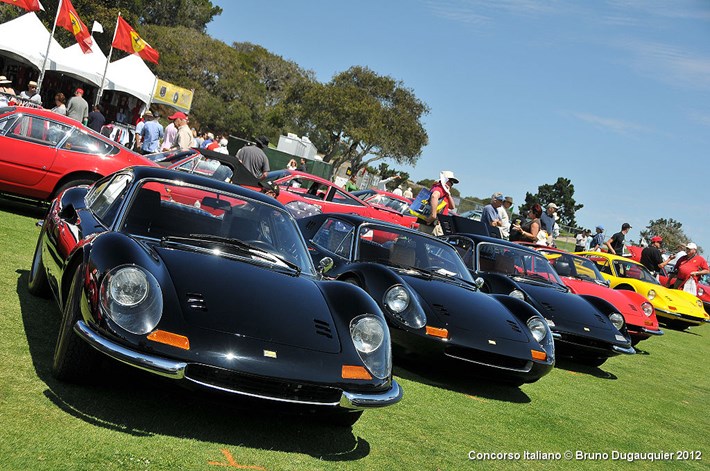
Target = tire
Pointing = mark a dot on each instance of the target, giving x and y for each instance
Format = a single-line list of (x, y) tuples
[(73, 358), (676, 325), (37, 283), (71, 183)]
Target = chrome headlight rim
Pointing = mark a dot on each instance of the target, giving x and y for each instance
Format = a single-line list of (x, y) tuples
[(538, 328), (647, 309), (376, 357), (517, 294), (617, 320), (408, 313), (138, 315)]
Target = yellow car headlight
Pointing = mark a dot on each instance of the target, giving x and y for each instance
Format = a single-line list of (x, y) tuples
[(651, 294)]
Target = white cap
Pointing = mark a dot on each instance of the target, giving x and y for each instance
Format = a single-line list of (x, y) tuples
[(691, 245), (553, 206), (223, 142)]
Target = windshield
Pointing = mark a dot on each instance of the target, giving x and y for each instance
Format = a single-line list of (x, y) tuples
[(407, 249), (400, 206), (575, 267), (163, 209), (513, 261), (166, 159)]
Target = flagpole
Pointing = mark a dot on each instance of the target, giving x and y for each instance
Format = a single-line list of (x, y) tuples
[(108, 59), (49, 43)]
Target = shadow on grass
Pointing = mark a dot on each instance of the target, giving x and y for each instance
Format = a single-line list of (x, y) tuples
[(571, 365), (22, 207), (458, 379), (128, 400)]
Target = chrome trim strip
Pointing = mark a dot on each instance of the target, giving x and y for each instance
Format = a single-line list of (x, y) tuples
[(518, 370), (625, 350), (352, 400), (151, 363), (652, 332), (556, 335)]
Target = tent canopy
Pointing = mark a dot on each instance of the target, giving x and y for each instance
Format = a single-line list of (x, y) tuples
[(86, 67), (25, 38), (132, 76)]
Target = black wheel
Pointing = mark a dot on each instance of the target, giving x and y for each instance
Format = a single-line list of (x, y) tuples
[(37, 283), (73, 358), (71, 183), (345, 419), (591, 361)]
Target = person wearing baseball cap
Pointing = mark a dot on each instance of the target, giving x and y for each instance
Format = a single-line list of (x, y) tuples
[(78, 108), (689, 267), (651, 257), (184, 139), (597, 239), (548, 218), (615, 244)]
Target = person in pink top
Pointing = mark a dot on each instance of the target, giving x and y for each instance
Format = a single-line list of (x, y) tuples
[(692, 264), (440, 193)]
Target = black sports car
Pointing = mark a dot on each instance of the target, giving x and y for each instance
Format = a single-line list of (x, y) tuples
[(431, 302), (211, 284), (587, 328)]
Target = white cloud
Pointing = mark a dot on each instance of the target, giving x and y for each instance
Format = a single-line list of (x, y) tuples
[(615, 125)]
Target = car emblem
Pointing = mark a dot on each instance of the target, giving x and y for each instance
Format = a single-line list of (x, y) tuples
[(492, 342), (586, 329), (269, 354)]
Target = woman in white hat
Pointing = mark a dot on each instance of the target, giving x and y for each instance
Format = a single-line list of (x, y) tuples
[(6, 93), (440, 202)]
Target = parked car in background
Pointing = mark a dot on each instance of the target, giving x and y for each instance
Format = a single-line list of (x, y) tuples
[(305, 195), (474, 214), (676, 308), (187, 293), (42, 153), (586, 328), (582, 277), (432, 304)]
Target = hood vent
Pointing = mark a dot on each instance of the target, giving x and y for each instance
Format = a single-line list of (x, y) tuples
[(632, 307), (323, 328), (547, 306), (196, 301), (514, 325), (601, 319), (441, 309)]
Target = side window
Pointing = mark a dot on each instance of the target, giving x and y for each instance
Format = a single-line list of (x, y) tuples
[(107, 197), (342, 198), (38, 130), (603, 266), (6, 123), (83, 142), (335, 236)]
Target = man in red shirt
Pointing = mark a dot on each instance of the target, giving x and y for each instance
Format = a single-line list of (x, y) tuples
[(689, 265)]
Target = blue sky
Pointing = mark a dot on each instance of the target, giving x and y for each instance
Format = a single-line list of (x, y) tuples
[(614, 95)]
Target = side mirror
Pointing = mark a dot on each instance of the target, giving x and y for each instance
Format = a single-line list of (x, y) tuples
[(325, 264), (606, 283), (479, 282)]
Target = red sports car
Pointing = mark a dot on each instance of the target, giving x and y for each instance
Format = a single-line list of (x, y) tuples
[(42, 153), (703, 289), (305, 195), (582, 277)]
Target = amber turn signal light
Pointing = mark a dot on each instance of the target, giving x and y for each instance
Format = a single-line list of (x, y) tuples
[(538, 355), (355, 372), (437, 332), (168, 338)]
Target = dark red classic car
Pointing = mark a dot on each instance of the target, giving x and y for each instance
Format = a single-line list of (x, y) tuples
[(43, 153)]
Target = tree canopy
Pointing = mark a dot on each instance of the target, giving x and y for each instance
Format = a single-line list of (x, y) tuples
[(674, 238), (561, 193)]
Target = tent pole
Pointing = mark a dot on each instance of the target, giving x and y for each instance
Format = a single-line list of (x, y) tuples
[(108, 59), (49, 43)]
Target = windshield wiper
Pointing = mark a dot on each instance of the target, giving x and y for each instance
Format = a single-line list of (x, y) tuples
[(244, 246)]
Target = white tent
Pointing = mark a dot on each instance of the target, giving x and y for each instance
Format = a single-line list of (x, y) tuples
[(86, 67), (25, 39), (132, 76)]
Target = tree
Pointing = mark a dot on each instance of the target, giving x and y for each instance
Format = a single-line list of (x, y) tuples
[(671, 231), (359, 114), (385, 172), (561, 193)]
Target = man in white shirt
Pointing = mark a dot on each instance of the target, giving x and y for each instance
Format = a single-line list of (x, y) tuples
[(504, 217), (382, 184)]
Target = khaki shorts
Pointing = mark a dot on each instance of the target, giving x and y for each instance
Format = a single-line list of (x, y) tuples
[(434, 230)]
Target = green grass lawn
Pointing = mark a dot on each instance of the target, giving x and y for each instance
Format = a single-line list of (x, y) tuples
[(125, 420)]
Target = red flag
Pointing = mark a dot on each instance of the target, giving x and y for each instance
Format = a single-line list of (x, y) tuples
[(29, 5), (68, 19), (128, 40)]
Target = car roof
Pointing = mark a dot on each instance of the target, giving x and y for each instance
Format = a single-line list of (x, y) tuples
[(357, 220), (142, 172)]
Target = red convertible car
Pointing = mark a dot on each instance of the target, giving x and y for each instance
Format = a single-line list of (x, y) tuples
[(306, 195), (703, 289), (582, 277), (43, 153)]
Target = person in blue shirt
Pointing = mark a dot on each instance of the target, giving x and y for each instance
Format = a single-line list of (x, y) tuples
[(490, 216), (151, 134), (548, 218)]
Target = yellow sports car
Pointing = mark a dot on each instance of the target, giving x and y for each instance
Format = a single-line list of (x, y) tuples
[(675, 308)]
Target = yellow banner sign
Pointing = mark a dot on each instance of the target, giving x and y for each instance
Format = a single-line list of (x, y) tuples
[(169, 94)]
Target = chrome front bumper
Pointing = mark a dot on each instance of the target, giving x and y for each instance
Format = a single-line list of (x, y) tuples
[(651, 332), (624, 350), (176, 370)]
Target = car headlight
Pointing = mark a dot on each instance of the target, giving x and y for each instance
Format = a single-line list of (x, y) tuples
[(651, 294), (617, 319), (371, 340), (132, 298), (400, 303), (647, 309), (537, 328), (699, 303), (517, 294), (700, 291)]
